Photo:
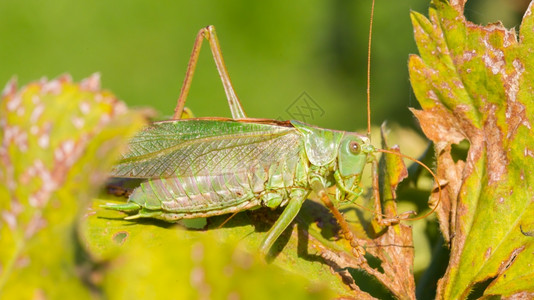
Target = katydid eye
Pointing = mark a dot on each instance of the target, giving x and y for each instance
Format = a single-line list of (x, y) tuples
[(354, 147)]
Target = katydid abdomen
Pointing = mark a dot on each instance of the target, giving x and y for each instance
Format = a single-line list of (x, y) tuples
[(187, 197)]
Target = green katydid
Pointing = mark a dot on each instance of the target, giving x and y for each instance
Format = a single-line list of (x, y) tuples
[(212, 166)]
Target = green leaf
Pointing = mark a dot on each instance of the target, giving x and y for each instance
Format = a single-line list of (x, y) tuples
[(59, 140), (474, 83), (310, 252), (393, 172), (165, 260)]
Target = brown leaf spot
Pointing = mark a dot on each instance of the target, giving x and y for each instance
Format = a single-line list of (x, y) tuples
[(197, 253), (451, 173), (10, 89), (497, 158), (515, 110), (36, 223), (52, 87), (22, 261), (36, 99), (44, 135), (242, 259), (10, 219), (36, 113), (92, 83), (78, 122), (14, 135), (48, 185), (14, 103), (120, 237), (85, 107), (469, 55), (487, 254), (20, 111), (525, 295), (506, 264), (458, 4), (198, 281), (439, 125), (39, 294)]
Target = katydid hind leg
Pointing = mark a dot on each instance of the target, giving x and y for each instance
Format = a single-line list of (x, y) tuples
[(209, 34), (383, 218), (290, 212)]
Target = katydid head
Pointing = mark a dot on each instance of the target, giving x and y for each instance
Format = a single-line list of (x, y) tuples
[(351, 150), (353, 155)]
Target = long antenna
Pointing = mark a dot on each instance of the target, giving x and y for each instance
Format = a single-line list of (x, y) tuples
[(369, 69)]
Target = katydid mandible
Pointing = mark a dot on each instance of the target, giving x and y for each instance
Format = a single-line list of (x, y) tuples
[(204, 167)]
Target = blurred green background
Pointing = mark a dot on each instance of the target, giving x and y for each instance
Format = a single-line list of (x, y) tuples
[(274, 50)]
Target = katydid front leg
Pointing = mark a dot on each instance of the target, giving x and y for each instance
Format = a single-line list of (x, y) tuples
[(381, 219), (319, 187), (209, 34), (294, 204)]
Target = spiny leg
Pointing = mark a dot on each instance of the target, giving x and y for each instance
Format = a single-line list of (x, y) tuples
[(381, 218), (209, 34), (406, 215), (290, 212), (376, 193), (319, 187), (227, 219)]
